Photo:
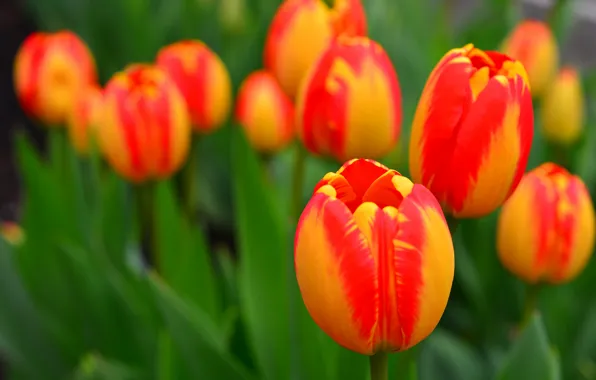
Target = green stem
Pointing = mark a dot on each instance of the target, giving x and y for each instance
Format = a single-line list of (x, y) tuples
[(144, 195), (57, 149), (530, 303), (298, 182), (189, 179), (406, 364), (378, 366)]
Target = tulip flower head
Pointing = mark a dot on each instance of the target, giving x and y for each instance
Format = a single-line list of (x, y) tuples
[(85, 118), (374, 258), (12, 233), (545, 231), (203, 80), (472, 131), (50, 70), (265, 112), (349, 105), (145, 128)]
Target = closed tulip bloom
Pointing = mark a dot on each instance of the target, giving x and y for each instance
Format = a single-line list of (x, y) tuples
[(84, 118), (265, 112), (472, 131), (533, 44), (50, 70), (348, 17), (545, 231), (563, 108), (374, 258), (203, 80), (350, 103), (145, 129)]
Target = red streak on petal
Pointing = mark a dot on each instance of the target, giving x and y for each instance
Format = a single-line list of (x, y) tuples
[(129, 121)]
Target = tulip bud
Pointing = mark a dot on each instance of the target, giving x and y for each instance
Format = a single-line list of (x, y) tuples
[(545, 231), (563, 108), (50, 70), (374, 258), (533, 44), (265, 112), (12, 233), (301, 30), (350, 102), (84, 118), (472, 131), (203, 80), (145, 129)]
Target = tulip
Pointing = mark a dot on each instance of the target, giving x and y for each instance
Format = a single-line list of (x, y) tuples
[(350, 103), (265, 112), (563, 108), (50, 70), (12, 233), (203, 80), (545, 231), (84, 118), (300, 32), (533, 44), (374, 258), (472, 131), (145, 129)]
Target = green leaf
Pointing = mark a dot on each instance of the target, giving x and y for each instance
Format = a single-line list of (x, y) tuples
[(94, 367)]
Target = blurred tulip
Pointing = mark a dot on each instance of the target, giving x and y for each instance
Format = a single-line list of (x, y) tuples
[(533, 44), (472, 131), (300, 32), (12, 233), (350, 103), (545, 231), (50, 70), (145, 129), (203, 80), (562, 108), (374, 258), (265, 112), (84, 118)]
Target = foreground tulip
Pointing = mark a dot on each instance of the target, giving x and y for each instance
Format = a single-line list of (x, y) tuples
[(145, 130), (374, 258), (265, 112), (533, 44), (472, 131), (563, 108), (50, 70), (203, 80), (84, 118), (301, 30), (545, 231), (350, 103)]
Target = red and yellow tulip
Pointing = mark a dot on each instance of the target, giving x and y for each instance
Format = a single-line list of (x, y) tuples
[(203, 80), (349, 105), (300, 32), (472, 131), (84, 118), (265, 112), (374, 258), (562, 109), (50, 70), (545, 231), (533, 44), (145, 128)]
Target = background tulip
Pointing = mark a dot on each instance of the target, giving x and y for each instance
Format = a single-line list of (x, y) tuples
[(350, 103), (145, 128), (546, 229), (348, 17), (472, 131), (374, 258), (12, 233), (50, 70), (265, 112), (562, 110), (203, 80), (533, 44), (84, 118)]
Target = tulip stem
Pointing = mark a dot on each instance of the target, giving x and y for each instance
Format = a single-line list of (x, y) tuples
[(144, 195), (530, 303), (189, 180), (298, 182), (379, 366)]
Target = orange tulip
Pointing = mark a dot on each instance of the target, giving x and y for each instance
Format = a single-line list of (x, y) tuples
[(265, 112), (300, 32), (374, 258), (533, 44), (350, 103), (145, 129), (84, 118), (50, 70), (12, 233), (203, 80), (472, 131), (545, 231)]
